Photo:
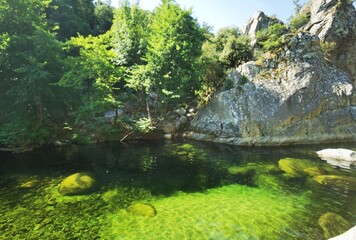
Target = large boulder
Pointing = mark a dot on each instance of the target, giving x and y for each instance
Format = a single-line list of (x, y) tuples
[(338, 157), (333, 224), (334, 21), (301, 99), (76, 184)]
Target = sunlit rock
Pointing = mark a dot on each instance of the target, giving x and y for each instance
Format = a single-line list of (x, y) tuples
[(333, 224), (337, 181), (78, 183), (168, 128), (142, 209), (338, 157), (293, 96), (335, 23), (180, 112)]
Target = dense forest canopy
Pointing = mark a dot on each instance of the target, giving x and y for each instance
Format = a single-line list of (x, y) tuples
[(64, 64)]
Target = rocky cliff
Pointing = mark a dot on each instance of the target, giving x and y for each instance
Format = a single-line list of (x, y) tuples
[(334, 22), (297, 97)]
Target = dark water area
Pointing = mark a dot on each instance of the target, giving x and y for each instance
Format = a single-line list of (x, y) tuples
[(195, 191)]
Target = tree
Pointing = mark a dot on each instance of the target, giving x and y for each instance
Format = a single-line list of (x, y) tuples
[(130, 33), (271, 39), (94, 74), (31, 62), (174, 47), (233, 48), (70, 18), (104, 15)]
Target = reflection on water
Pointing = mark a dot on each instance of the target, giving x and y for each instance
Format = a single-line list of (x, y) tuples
[(183, 190)]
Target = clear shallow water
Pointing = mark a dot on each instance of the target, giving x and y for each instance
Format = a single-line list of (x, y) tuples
[(199, 191)]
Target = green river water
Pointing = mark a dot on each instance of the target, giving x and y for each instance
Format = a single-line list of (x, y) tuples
[(187, 190)]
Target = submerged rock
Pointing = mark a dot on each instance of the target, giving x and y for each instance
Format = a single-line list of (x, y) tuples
[(338, 157), (76, 184), (333, 224), (142, 209), (337, 181), (30, 184), (294, 167), (242, 174), (349, 235)]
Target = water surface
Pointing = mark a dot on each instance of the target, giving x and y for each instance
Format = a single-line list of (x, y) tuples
[(198, 191)]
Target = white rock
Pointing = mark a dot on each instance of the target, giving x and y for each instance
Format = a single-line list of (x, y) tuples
[(180, 111), (339, 157), (349, 235), (168, 136)]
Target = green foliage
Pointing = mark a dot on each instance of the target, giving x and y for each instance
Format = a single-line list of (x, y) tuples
[(144, 125), (93, 73), (236, 51), (272, 38), (130, 34), (104, 15), (211, 72), (225, 51), (31, 62), (70, 17), (174, 46), (298, 21)]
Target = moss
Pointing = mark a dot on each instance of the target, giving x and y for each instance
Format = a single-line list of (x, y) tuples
[(142, 209), (333, 224), (78, 183), (294, 167), (337, 181), (243, 174), (314, 171)]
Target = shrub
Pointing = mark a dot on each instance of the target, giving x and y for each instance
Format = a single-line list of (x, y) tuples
[(298, 21), (271, 39)]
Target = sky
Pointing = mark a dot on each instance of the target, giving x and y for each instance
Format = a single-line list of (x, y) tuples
[(226, 13)]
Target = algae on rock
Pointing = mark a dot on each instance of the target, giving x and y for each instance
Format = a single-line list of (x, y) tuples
[(78, 183), (333, 224)]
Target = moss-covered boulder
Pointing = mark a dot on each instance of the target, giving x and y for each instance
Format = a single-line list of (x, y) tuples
[(333, 224), (296, 168), (77, 184), (337, 181), (314, 171), (142, 209)]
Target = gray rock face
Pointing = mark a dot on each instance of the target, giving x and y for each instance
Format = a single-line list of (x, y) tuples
[(335, 21), (301, 100)]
